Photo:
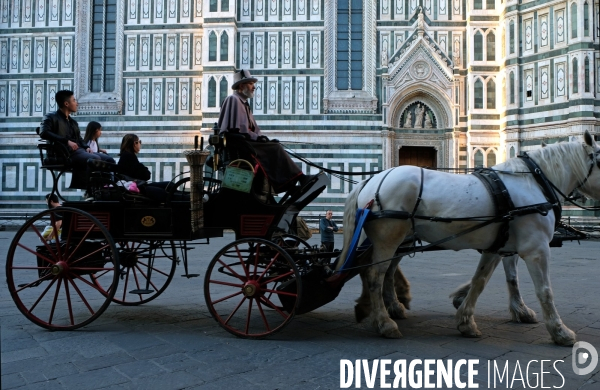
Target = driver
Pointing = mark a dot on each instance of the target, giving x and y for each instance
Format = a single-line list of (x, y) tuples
[(283, 173)]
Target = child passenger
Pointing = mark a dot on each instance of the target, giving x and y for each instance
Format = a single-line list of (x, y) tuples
[(92, 134)]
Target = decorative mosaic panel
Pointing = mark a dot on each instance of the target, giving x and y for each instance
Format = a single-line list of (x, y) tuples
[(287, 48), (544, 30), (272, 97), (184, 96), (67, 54), (385, 7), (159, 11), (258, 97), (197, 50), (144, 52), (157, 97), (50, 93), (301, 4), (131, 52), (245, 7), (427, 7), (38, 98), (273, 49), (287, 7), (145, 97), (68, 10), (560, 25), (528, 31), (399, 8), (145, 11), (39, 53), (27, 11), (456, 7), (41, 11), (26, 55), (172, 9), (4, 11), (130, 97), (561, 78), (185, 8), (300, 49), (170, 91), (53, 55), (171, 52), (315, 7), (442, 7), (544, 83), (286, 96), (273, 7), (198, 8), (14, 54), (314, 96), (12, 98), (413, 6), (132, 10), (3, 99), (315, 48), (528, 76), (258, 44), (300, 95), (184, 57), (4, 54), (54, 9), (158, 51), (259, 8), (197, 96), (25, 99), (245, 48)]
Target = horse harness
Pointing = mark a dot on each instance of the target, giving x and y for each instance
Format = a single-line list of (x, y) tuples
[(505, 210)]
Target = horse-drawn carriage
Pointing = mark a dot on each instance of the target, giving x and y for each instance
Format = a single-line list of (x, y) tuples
[(124, 248)]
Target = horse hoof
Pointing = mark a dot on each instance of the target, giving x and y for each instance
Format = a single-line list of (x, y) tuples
[(564, 337), (392, 334), (469, 331), (524, 315)]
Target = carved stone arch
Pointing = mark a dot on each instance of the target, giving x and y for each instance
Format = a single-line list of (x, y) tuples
[(435, 100)]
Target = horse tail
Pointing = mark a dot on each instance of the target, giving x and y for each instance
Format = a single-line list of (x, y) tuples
[(350, 219)]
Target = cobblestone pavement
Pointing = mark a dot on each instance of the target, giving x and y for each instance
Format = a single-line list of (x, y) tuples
[(173, 343)]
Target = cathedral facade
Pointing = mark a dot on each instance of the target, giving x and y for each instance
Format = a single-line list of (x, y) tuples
[(351, 85)]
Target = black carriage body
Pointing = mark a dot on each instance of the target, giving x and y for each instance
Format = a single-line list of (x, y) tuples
[(228, 209)]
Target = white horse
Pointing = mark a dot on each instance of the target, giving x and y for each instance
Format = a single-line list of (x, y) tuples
[(566, 165)]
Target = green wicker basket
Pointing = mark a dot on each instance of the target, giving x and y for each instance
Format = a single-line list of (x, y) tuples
[(237, 178)]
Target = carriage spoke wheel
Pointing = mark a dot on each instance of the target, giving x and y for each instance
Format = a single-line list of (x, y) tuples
[(242, 288), (147, 268), (48, 280)]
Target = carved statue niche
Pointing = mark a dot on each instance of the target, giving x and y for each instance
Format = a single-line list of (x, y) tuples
[(407, 120), (419, 114)]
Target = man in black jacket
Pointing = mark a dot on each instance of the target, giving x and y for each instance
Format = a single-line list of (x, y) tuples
[(59, 127)]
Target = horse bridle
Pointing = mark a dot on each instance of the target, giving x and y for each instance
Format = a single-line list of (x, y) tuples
[(595, 161)]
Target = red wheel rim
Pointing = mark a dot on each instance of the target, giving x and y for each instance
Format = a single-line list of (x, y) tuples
[(243, 288), (146, 266), (49, 282)]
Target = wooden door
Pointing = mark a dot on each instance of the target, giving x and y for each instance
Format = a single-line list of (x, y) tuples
[(419, 156)]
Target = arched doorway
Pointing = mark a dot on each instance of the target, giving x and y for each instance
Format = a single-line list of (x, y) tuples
[(420, 156)]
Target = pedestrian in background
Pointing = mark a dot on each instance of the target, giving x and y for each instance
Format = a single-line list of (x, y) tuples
[(327, 227)]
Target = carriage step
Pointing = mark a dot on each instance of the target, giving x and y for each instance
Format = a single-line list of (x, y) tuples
[(190, 276), (141, 291)]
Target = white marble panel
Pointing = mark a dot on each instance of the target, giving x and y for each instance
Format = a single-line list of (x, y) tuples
[(315, 97), (40, 12), (130, 97), (301, 50), (50, 95), (245, 49), (146, 10), (184, 56), (561, 78), (67, 55), (171, 52), (38, 98), (27, 12), (300, 96), (53, 53), (4, 11), (157, 97), (158, 51), (273, 49), (171, 90), (132, 6), (184, 96), (145, 99), (315, 7), (315, 48), (544, 82), (198, 8), (286, 95), (131, 52), (54, 10), (559, 16), (258, 97), (144, 52), (14, 55), (26, 55), (25, 99), (68, 10), (197, 106), (172, 10), (272, 96), (159, 9), (544, 30), (287, 49), (197, 50), (39, 50), (258, 49), (3, 99)]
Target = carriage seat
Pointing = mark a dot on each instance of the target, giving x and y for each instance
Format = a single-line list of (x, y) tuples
[(54, 156)]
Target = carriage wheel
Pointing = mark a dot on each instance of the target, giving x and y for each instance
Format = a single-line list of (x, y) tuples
[(147, 268), (48, 279), (290, 241), (244, 288)]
